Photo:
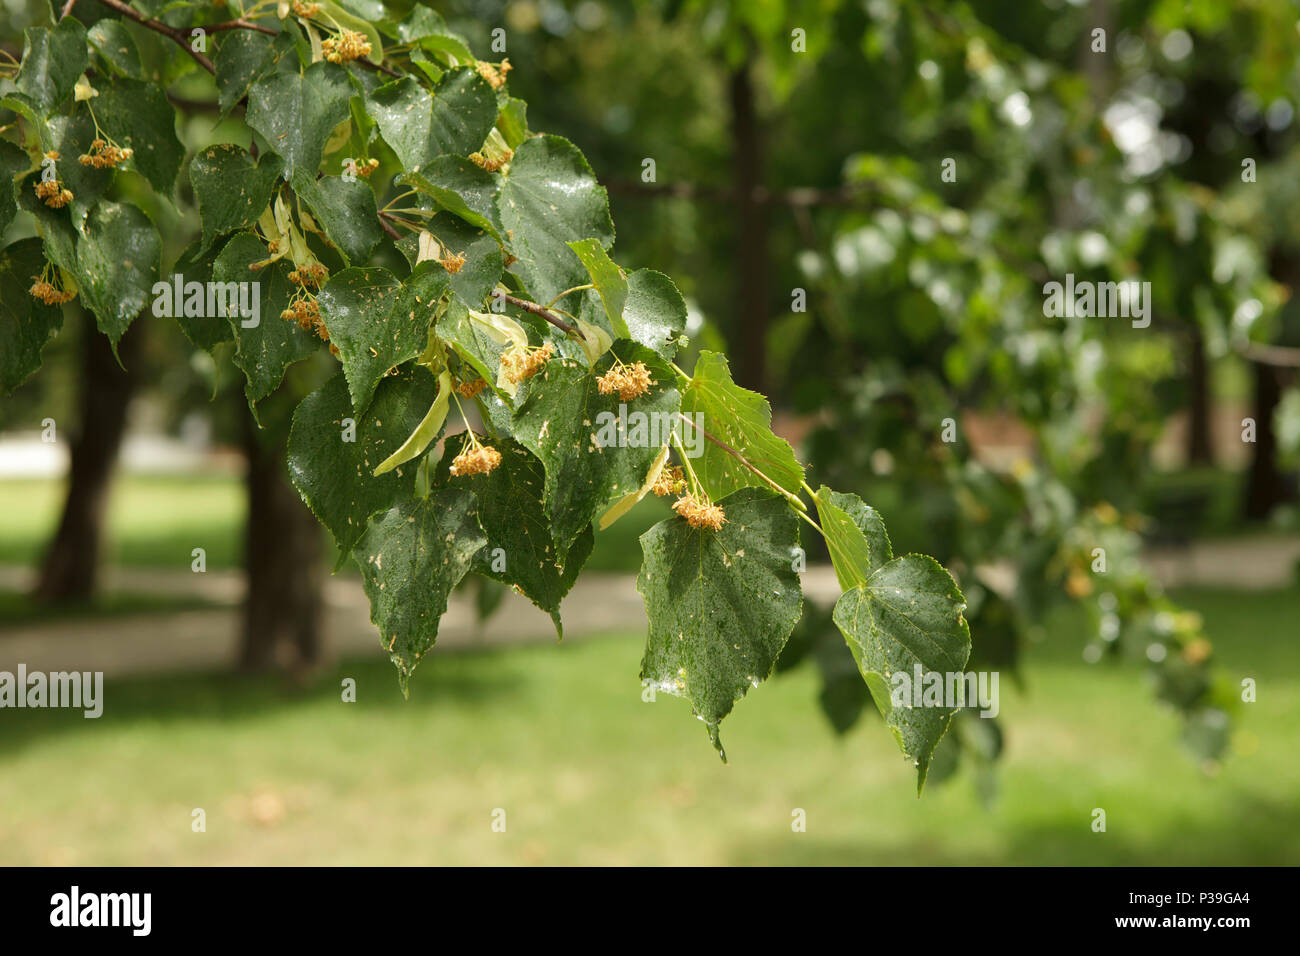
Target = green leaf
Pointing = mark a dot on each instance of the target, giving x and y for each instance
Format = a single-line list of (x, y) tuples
[(26, 323), (609, 280), (296, 113), (118, 256), (334, 475), (265, 350), (411, 559), (551, 198), (347, 212), (855, 535), (232, 188), (378, 323), (655, 311), (721, 604), (907, 614), (242, 58), (461, 188), (139, 115), (484, 260), (478, 346), (424, 433), (52, 62), (13, 161), (71, 136), (563, 419), (512, 513), (741, 419), (113, 42), (513, 122), (207, 332), (420, 126)]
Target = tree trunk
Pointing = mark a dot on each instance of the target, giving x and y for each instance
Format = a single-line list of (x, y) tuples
[(1199, 448), (1265, 486), (283, 554), (750, 338), (69, 570)]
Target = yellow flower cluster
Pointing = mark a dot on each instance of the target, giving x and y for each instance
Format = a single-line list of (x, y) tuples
[(306, 313), (475, 459), (48, 294), (670, 481), (628, 380), (55, 195), (699, 515), (470, 389), (495, 75), (520, 364), (365, 169), (305, 10), (311, 276), (103, 156), (452, 262), (491, 165), (349, 45)]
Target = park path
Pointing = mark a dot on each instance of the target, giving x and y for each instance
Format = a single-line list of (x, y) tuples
[(206, 639)]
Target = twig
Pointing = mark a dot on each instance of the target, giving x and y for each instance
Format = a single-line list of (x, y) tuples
[(164, 29), (538, 310), (67, 8)]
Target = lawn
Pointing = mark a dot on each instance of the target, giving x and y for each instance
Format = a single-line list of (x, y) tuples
[(558, 737)]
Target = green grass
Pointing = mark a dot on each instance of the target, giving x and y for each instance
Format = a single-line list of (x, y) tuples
[(557, 735), (157, 521)]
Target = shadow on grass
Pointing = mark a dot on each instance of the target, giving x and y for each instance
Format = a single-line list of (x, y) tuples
[(233, 699), (1252, 837)]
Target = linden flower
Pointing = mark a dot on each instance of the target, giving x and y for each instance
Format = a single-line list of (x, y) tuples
[(629, 381), (310, 276), (520, 364), (305, 9), (365, 169), (470, 389), (306, 312), (670, 481), (475, 459), (700, 515), (452, 262), (491, 165), (104, 156), (349, 45), (48, 294), (55, 195), (495, 75)]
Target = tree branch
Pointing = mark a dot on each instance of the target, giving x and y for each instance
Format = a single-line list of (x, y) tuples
[(546, 314), (157, 27)]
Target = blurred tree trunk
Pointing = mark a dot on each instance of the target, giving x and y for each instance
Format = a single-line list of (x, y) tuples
[(1200, 450), (69, 569), (283, 556), (750, 339), (1265, 486)]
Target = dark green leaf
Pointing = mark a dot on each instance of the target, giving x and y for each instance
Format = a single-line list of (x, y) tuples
[(139, 115), (549, 199), (908, 614), (410, 559), (334, 475), (345, 210), (232, 188), (721, 604), (118, 256), (26, 323), (511, 511), (655, 312), (461, 188), (114, 43), (296, 113), (13, 161), (52, 61), (420, 126), (563, 419)]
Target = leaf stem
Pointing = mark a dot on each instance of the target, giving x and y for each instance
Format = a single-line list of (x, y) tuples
[(576, 288)]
